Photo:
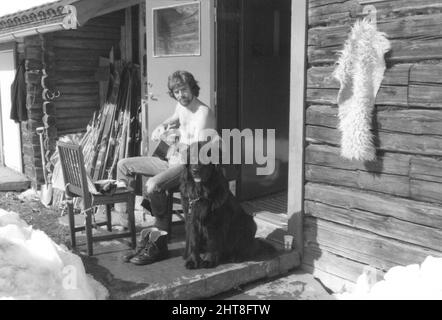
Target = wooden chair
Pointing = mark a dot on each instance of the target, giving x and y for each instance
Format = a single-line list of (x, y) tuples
[(170, 212), (77, 184)]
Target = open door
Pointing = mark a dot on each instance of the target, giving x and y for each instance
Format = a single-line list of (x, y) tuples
[(265, 100), (180, 36), (10, 138)]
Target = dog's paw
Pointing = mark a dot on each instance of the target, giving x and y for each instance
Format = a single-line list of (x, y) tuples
[(192, 262), (210, 260)]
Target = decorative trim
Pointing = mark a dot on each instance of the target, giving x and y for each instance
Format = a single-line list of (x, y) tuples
[(38, 16)]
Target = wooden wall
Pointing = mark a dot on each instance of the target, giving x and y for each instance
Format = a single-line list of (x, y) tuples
[(76, 62), (388, 212), (72, 58)]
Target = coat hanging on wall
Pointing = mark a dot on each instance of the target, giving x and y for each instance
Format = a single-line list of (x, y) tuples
[(18, 95), (360, 70)]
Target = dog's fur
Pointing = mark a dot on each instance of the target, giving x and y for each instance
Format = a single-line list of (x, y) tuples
[(217, 228)]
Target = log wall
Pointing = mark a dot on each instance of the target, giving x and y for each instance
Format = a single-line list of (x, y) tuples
[(76, 62), (387, 212), (72, 58)]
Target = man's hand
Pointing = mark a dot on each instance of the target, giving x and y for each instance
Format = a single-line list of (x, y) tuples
[(156, 134)]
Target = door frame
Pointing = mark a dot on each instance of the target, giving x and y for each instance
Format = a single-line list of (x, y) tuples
[(295, 201), (12, 47)]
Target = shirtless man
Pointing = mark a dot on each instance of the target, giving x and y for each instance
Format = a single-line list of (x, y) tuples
[(191, 116)]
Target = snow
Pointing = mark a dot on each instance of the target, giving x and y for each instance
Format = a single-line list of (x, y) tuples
[(7, 7), (412, 282), (34, 267)]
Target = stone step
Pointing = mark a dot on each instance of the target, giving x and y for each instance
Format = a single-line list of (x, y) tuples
[(169, 279)]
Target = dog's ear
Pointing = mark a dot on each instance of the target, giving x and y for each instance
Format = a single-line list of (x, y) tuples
[(221, 192)]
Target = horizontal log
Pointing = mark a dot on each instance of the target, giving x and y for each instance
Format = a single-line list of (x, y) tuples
[(92, 44), (397, 75), (380, 252), (340, 12), (377, 224), (397, 142), (428, 169), (426, 191), (328, 12), (390, 163), (401, 51), (362, 180), (387, 95), (425, 96), (412, 121), (62, 132), (74, 105), (426, 74), (423, 82), (318, 134), (417, 27), (90, 33), (92, 99), (66, 66), (80, 114), (317, 260), (73, 54), (79, 125), (78, 89), (403, 209)]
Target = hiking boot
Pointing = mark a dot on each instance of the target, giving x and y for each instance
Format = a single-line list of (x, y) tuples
[(155, 249), (144, 238)]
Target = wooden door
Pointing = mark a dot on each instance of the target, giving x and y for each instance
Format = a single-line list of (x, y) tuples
[(180, 36)]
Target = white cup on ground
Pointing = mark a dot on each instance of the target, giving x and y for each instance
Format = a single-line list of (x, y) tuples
[(288, 242)]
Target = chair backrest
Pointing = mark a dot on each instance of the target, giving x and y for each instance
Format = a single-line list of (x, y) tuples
[(74, 172)]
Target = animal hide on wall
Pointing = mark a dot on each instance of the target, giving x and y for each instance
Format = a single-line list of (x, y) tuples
[(360, 70)]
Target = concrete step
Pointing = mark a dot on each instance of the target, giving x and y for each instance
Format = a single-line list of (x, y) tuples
[(11, 180), (169, 279)]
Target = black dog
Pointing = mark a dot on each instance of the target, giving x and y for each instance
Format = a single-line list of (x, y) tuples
[(217, 228)]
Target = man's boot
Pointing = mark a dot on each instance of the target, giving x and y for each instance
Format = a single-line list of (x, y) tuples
[(144, 239), (155, 249)]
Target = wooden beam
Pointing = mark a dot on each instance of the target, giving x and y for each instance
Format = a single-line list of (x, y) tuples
[(143, 67), (89, 9), (297, 122)]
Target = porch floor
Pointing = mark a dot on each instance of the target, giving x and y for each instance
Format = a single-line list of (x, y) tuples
[(169, 279), (11, 180)]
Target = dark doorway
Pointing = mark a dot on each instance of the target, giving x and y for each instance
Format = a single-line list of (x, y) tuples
[(254, 82)]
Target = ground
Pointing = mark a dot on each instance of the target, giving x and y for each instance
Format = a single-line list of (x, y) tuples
[(36, 214), (293, 286)]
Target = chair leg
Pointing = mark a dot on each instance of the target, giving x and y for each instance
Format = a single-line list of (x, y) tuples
[(131, 219), (169, 214), (109, 217), (89, 240), (70, 206)]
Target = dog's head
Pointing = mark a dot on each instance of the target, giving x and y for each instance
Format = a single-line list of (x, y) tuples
[(199, 172)]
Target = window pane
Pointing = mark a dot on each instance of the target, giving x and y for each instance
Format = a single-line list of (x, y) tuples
[(177, 30)]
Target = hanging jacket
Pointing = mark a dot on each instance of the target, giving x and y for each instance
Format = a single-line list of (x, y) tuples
[(18, 95)]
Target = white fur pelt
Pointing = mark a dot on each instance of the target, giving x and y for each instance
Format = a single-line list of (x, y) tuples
[(360, 70)]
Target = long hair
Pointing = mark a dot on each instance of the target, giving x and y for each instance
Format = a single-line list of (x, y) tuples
[(180, 78)]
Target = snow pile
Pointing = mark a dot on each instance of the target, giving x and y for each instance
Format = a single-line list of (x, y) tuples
[(412, 282), (32, 266)]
